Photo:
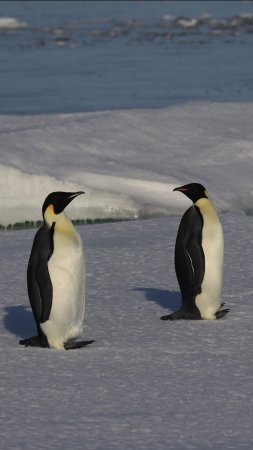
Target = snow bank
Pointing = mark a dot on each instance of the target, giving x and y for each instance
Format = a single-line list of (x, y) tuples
[(127, 161)]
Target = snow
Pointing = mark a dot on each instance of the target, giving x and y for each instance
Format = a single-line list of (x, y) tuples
[(126, 161), (144, 383)]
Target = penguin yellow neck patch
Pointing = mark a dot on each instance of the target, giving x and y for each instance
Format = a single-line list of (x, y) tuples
[(50, 208), (49, 214)]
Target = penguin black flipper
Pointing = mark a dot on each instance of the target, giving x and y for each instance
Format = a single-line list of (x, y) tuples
[(196, 261), (40, 289), (189, 264), (39, 284)]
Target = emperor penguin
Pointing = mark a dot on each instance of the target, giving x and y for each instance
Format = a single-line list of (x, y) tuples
[(56, 278), (199, 258)]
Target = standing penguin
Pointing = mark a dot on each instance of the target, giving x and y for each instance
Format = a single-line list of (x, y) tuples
[(56, 278), (199, 258)]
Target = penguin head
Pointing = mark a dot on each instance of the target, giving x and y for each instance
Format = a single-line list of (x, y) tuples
[(194, 191), (56, 202)]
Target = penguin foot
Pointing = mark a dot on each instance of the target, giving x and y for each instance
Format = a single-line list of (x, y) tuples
[(181, 315), (170, 317), (34, 341), (222, 312), (79, 344)]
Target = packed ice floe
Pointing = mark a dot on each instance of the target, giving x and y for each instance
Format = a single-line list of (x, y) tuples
[(199, 29), (127, 161), (10, 23)]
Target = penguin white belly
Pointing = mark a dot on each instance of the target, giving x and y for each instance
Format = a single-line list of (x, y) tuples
[(67, 272), (209, 300)]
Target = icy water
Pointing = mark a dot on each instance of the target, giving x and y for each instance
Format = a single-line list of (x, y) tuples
[(65, 57)]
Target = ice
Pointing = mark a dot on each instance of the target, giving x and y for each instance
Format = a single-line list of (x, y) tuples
[(144, 383), (10, 23), (127, 161), (188, 23)]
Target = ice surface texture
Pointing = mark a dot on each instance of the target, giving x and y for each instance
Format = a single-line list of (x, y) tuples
[(144, 383)]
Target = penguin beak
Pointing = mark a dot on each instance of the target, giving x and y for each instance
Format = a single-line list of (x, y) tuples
[(180, 189), (72, 195), (68, 197)]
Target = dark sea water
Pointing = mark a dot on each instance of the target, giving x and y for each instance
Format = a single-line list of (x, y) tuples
[(73, 56)]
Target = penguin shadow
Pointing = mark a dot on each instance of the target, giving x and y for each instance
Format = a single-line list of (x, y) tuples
[(170, 300), (19, 321)]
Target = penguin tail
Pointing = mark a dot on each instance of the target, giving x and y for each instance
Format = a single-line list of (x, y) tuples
[(78, 344), (221, 312)]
